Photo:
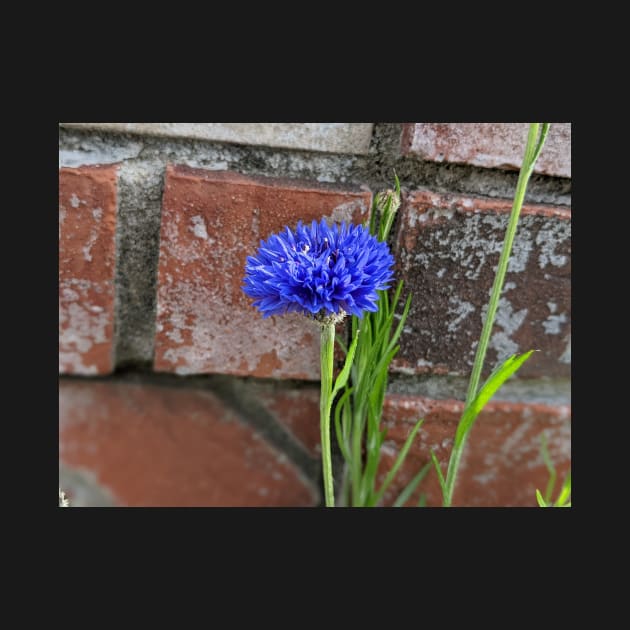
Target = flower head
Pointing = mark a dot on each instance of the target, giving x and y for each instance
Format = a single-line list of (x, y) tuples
[(319, 270)]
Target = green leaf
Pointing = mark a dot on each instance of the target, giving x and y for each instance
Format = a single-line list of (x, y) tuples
[(471, 411), (539, 498), (340, 438), (401, 323), (341, 344), (565, 492), (403, 497), (439, 471), (541, 142), (550, 467), (399, 461), (422, 501), (342, 379), (373, 455), (487, 391)]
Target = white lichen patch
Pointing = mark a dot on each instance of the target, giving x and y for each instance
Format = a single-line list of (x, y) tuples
[(206, 335), (97, 213), (72, 362), (175, 335), (510, 321), (504, 346), (485, 477), (87, 248), (74, 201), (549, 238), (565, 357), (553, 322), (466, 246), (82, 324), (432, 214), (422, 363), (460, 309), (199, 227), (69, 295), (401, 369)]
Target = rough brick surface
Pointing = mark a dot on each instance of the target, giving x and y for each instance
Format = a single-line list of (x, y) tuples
[(330, 137), (448, 247), (491, 145), (87, 254), (501, 464), (158, 446), (298, 411), (211, 221)]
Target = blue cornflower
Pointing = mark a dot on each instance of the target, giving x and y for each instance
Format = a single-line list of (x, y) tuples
[(319, 270)]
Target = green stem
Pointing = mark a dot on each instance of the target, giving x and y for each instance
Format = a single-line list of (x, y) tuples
[(357, 442), (532, 150), (325, 404)]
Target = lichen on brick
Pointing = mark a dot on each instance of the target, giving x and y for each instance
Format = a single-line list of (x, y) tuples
[(448, 248), (87, 219)]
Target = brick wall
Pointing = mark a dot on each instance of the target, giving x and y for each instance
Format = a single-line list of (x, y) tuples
[(175, 392)]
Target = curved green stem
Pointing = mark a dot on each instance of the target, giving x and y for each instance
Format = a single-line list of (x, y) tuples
[(521, 187), (532, 150), (325, 404)]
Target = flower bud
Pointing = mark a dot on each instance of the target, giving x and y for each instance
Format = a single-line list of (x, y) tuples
[(387, 203), (384, 197)]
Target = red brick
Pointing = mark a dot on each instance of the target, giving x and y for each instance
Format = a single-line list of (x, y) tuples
[(211, 221), (501, 464), (447, 250), (159, 446), (87, 254), (491, 145), (298, 411)]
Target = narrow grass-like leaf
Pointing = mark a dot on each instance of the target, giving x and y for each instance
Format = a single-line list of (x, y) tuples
[(471, 411), (539, 498), (403, 497), (422, 501), (541, 142), (381, 365), (373, 455), (476, 398), (341, 344), (342, 379), (341, 439), (399, 461), (401, 323), (439, 472), (565, 492), (487, 391)]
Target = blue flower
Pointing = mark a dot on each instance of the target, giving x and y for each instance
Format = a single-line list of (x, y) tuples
[(319, 270)]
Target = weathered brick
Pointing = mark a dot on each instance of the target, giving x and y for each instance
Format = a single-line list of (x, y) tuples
[(87, 253), (501, 464), (491, 145), (448, 247), (297, 410), (162, 446), (329, 137), (211, 221)]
